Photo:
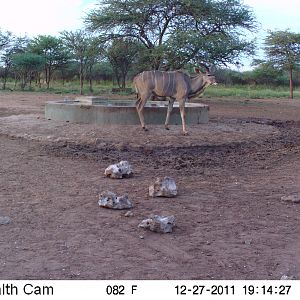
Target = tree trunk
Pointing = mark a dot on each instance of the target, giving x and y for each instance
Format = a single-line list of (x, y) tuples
[(81, 78), (90, 79), (23, 81), (291, 83), (118, 77), (123, 80), (5, 79), (39, 80), (16, 81), (30, 80), (48, 77)]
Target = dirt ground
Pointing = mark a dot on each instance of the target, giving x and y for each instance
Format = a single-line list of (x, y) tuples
[(231, 174)]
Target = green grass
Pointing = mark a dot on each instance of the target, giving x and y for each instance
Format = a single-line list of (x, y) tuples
[(219, 91), (72, 87), (249, 91)]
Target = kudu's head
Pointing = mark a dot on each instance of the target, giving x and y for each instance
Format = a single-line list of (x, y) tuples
[(208, 76)]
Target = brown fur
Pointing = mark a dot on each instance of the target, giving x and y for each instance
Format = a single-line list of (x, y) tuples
[(175, 85)]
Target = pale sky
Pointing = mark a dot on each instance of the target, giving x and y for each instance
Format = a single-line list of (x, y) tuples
[(40, 17), (277, 14), (34, 17), (51, 17)]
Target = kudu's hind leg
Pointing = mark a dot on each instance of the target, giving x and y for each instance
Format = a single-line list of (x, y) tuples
[(170, 108), (140, 103)]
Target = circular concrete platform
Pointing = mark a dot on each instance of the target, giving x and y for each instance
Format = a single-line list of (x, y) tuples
[(109, 112)]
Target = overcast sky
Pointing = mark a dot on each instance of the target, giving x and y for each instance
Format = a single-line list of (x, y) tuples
[(34, 17)]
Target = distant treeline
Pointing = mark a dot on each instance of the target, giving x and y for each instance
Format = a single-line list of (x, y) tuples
[(258, 76), (123, 38)]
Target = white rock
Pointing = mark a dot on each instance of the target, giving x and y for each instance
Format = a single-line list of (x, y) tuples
[(120, 170), (165, 187), (286, 277), (162, 224), (4, 220), (295, 198), (128, 214), (111, 200)]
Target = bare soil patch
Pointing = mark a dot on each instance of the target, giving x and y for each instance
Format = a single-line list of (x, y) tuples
[(231, 174)]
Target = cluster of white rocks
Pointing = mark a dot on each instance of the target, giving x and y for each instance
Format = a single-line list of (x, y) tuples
[(162, 187)]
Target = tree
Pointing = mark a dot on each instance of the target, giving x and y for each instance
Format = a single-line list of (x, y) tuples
[(78, 44), (174, 32), (26, 64), (11, 45), (94, 53), (122, 53), (51, 48), (4, 39), (283, 52)]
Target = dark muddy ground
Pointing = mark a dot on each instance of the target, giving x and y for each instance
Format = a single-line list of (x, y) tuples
[(231, 174)]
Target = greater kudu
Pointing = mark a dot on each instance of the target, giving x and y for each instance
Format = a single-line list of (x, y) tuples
[(176, 85)]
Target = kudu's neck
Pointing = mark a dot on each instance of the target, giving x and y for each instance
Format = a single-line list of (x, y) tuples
[(198, 85)]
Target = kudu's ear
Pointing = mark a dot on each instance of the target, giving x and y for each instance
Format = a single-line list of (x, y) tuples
[(207, 71), (198, 71)]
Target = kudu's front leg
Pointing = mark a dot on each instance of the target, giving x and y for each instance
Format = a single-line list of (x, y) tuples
[(182, 113), (170, 108)]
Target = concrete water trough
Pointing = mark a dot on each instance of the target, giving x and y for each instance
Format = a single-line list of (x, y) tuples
[(109, 112)]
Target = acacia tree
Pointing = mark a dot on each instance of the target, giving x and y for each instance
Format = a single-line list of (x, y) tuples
[(94, 53), (6, 41), (11, 45), (177, 32), (51, 48), (283, 52), (122, 53), (25, 65), (4, 38), (78, 44)]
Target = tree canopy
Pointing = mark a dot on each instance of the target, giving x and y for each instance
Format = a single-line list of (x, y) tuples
[(53, 52), (26, 64), (282, 50), (174, 32), (122, 54)]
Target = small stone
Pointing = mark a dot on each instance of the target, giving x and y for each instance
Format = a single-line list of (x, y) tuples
[(295, 198), (128, 214), (165, 187), (117, 171), (4, 220), (248, 241), (162, 224), (286, 277), (109, 199)]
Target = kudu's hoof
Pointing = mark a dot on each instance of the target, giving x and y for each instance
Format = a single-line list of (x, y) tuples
[(145, 129), (185, 133), (167, 128)]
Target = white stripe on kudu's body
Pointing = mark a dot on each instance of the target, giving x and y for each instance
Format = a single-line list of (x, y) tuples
[(176, 85)]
